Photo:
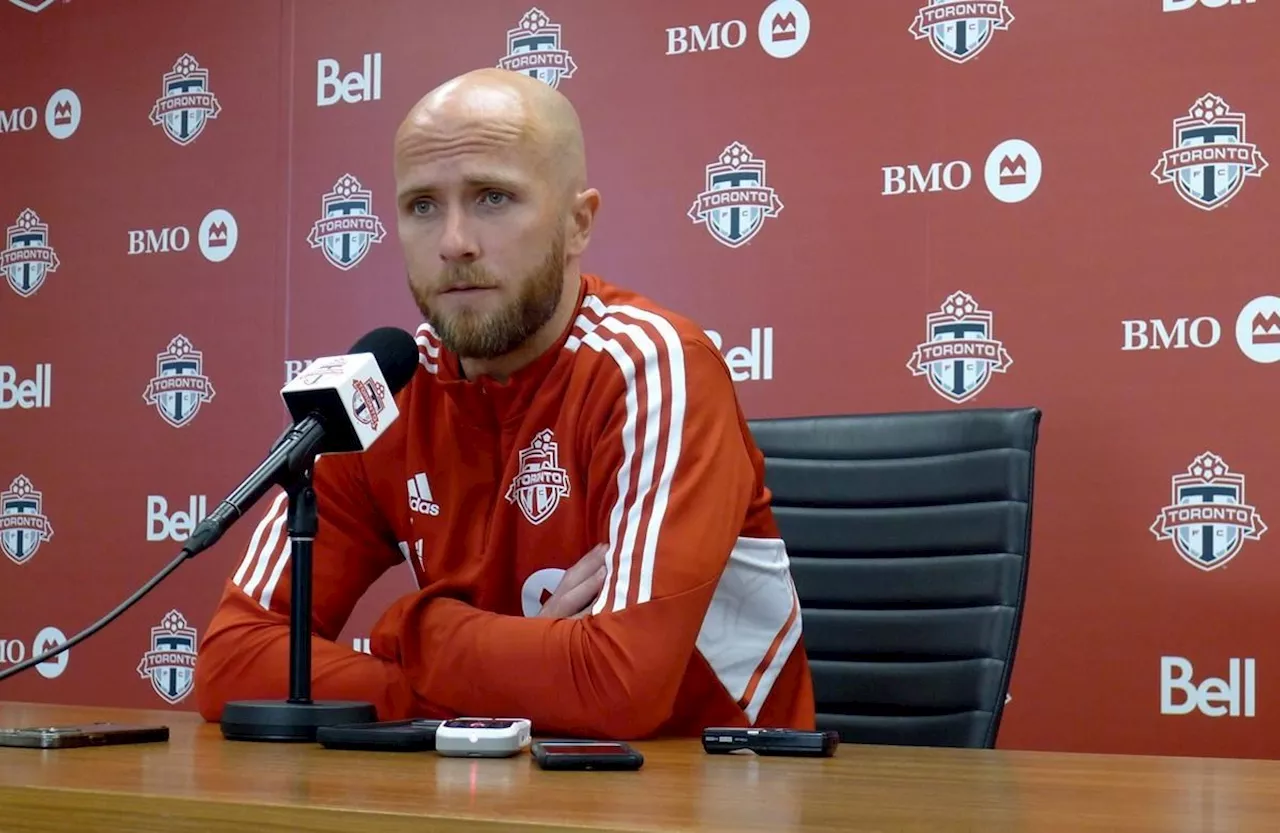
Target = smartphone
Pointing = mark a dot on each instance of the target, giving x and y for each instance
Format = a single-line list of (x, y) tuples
[(586, 755), (84, 734), (722, 740), (384, 736)]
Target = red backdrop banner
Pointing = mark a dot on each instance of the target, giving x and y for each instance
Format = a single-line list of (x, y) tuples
[(898, 205)]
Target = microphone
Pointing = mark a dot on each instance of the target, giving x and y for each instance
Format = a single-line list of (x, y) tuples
[(339, 404)]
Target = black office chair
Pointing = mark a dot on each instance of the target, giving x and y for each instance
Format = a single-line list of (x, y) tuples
[(909, 535)]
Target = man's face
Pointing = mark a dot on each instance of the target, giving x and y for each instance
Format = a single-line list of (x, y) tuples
[(483, 236)]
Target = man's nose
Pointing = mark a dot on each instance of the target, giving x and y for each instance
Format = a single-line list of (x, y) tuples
[(458, 241)]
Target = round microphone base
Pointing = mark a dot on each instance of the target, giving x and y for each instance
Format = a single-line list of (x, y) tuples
[(282, 721)]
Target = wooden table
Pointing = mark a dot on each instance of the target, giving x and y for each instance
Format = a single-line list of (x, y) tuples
[(200, 782)]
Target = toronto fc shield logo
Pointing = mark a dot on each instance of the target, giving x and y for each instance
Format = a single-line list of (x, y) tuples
[(539, 483), (171, 662)]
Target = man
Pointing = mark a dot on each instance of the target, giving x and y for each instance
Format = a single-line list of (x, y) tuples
[(571, 479)]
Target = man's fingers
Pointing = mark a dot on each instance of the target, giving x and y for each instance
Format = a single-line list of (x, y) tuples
[(569, 601), (583, 570)]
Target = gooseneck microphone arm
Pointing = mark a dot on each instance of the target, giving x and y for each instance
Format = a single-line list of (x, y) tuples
[(292, 454)]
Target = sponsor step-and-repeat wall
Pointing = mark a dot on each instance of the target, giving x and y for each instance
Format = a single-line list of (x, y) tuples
[(898, 205)]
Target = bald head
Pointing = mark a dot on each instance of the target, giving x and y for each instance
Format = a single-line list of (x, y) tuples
[(500, 107), (494, 213)]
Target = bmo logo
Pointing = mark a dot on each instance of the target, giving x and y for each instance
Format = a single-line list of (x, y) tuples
[(14, 651), (1183, 5), (61, 116), (938, 176), (1179, 334), (178, 525), (217, 236), (364, 84), (1011, 173), (1212, 696), (783, 29), (727, 35)]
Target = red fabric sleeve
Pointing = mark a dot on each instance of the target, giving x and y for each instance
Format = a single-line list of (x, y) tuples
[(245, 650), (671, 480)]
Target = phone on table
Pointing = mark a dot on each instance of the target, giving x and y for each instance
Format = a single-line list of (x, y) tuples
[(383, 736), (721, 740), (586, 755), (84, 734)]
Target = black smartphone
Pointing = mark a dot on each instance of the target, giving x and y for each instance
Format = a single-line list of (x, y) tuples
[(721, 740), (586, 755), (384, 736), (84, 734)]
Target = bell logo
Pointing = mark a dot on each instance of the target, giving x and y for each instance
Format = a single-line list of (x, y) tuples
[(354, 87), (748, 363), (1183, 5), (35, 392), (161, 526), (1214, 697)]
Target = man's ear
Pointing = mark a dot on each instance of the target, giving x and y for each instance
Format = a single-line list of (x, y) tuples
[(582, 220)]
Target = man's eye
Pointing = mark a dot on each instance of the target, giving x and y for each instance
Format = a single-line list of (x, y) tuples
[(419, 206), (494, 198)]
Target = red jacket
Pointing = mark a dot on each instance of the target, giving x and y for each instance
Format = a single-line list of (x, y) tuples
[(627, 431)]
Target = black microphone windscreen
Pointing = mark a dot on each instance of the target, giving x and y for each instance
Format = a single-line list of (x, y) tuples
[(395, 351)]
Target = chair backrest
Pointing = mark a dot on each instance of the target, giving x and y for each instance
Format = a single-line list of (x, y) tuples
[(909, 535)]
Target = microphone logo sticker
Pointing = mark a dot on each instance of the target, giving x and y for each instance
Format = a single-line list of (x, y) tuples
[(23, 525), (959, 30), (534, 49), (171, 662), (186, 104), (369, 401), (348, 228), (736, 199), (316, 371), (27, 258), (959, 355), (179, 387)]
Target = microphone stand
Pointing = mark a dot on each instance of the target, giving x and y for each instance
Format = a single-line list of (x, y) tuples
[(298, 717)]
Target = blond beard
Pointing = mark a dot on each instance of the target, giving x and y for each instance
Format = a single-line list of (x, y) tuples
[(475, 335)]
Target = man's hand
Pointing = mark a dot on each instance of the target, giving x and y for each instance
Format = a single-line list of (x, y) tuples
[(579, 587)]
